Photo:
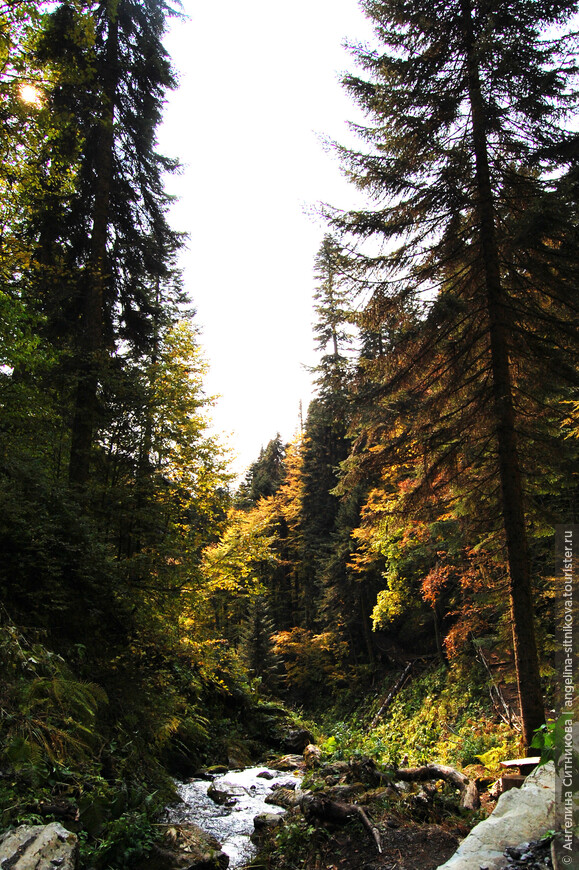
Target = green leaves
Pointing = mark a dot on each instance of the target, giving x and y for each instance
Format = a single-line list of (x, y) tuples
[(551, 740)]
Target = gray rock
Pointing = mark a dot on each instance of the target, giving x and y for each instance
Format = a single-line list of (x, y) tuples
[(283, 797), (289, 762), (265, 821), (42, 847), (297, 739), (223, 798), (521, 815)]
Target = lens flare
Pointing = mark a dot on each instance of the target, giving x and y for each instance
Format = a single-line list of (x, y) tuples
[(30, 95)]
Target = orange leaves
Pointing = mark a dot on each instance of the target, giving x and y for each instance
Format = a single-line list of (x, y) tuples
[(436, 581)]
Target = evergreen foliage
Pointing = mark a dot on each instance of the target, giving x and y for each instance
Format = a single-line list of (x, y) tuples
[(264, 476), (256, 645), (464, 142), (143, 608)]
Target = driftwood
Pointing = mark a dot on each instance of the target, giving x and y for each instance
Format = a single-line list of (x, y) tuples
[(320, 808), (469, 793)]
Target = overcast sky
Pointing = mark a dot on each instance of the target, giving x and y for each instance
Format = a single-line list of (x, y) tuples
[(259, 91)]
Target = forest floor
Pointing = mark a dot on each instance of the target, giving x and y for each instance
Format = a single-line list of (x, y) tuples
[(409, 846), (407, 843), (416, 847)]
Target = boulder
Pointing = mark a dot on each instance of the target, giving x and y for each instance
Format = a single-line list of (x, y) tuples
[(312, 756), (521, 815), (217, 769), (263, 825), (266, 774), (289, 762), (185, 847), (283, 797), (43, 847), (297, 739), (223, 798), (266, 821)]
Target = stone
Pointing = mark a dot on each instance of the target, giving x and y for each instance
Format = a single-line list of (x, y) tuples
[(521, 815), (297, 739), (186, 847), (289, 762), (283, 797), (43, 847), (223, 798), (286, 783), (266, 821), (312, 756), (236, 763)]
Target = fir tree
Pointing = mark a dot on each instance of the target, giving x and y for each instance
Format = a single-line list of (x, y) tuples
[(111, 238), (256, 645), (264, 476), (466, 99), (333, 328)]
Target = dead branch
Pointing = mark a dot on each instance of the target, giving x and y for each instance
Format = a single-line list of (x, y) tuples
[(500, 705), (320, 808), (398, 685), (469, 792)]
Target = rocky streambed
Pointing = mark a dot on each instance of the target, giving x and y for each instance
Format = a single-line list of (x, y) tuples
[(226, 805)]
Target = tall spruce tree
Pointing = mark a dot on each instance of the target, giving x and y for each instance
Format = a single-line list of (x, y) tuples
[(325, 443), (120, 244), (333, 324), (467, 101), (264, 476)]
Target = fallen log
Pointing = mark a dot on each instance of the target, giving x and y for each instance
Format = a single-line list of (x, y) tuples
[(320, 808), (469, 793)]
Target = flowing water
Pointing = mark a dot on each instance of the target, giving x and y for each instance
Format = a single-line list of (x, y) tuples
[(231, 824)]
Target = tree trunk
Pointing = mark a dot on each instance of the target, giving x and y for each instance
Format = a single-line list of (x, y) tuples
[(92, 324), (524, 642), (366, 626)]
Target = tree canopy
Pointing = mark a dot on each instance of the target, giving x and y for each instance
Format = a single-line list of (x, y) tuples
[(152, 613)]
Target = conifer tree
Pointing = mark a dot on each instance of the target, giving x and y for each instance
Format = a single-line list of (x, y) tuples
[(264, 476), (326, 444), (333, 323), (466, 100), (115, 240), (256, 645)]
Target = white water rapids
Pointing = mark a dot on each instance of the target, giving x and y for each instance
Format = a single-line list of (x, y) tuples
[(231, 824)]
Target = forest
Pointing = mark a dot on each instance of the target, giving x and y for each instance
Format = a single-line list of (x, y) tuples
[(155, 616)]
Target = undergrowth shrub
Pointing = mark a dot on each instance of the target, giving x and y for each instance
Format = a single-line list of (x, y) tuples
[(441, 716)]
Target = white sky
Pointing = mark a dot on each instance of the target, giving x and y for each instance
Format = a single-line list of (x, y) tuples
[(259, 88)]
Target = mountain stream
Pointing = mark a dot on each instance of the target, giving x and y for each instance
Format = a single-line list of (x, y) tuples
[(231, 822)]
